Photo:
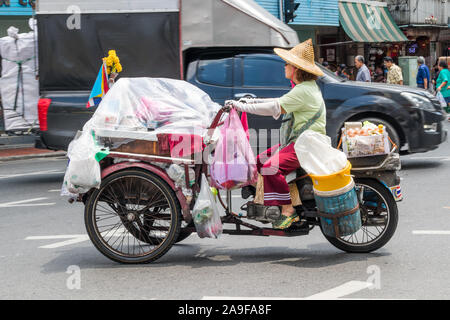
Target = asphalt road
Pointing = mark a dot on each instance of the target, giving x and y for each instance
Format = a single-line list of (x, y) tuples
[(44, 250)]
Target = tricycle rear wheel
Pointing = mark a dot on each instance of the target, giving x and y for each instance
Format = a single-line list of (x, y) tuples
[(134, 217), (379, 215)]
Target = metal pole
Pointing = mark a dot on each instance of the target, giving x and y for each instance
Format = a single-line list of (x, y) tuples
[(229, 204), (281, 10)]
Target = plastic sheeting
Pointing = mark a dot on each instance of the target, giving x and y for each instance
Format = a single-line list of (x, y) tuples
[(19, 89), (140, 108), (137, 109)]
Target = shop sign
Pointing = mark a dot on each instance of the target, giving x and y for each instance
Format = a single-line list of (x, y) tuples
[(23, 3), (16, 7)]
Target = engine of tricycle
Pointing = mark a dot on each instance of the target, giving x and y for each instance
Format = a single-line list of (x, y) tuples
[(261, 213), (268, 214)]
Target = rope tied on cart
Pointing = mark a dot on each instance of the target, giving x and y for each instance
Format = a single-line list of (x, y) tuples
[(19, 83)]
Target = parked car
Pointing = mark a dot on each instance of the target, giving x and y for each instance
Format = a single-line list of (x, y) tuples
[(413, 117)]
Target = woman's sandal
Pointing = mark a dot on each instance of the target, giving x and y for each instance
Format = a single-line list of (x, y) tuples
[(284, 222)]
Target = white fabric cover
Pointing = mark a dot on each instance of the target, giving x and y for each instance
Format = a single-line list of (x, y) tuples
[(317, 156), (19, 47)]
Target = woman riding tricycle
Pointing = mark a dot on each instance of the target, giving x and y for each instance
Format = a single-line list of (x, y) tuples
[(153, 140)]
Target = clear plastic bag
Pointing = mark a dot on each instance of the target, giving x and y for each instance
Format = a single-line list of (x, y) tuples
[(83, 170), (364, 146), (141, 108), (233, 165), (206, 214), (441, 99)]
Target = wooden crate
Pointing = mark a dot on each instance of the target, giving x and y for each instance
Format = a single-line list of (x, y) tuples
[(157, 148)]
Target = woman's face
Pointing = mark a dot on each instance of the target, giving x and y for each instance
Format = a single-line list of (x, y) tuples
[(289, 71)]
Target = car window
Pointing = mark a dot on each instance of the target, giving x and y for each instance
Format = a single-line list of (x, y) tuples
[(216, 71), (263, 72)]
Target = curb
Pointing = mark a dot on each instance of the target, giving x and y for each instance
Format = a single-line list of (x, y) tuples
[(33, 156)]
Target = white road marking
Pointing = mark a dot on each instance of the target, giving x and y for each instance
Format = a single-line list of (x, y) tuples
[(430, 158), (6, 176), (341, 291), (220, 258), (55, 190), (431, 232), (26, 203), (75, 238), (335, 293)]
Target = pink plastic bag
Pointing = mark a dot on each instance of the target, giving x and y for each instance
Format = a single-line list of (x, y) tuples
[(233, 165)]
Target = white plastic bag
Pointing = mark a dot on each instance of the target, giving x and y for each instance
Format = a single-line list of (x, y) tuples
[(317, 156), (83, 170), (206, 214), (441, 99)]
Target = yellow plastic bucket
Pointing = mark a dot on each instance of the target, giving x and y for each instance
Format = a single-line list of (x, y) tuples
[(334, 181)]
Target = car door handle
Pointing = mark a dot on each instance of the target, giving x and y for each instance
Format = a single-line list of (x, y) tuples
[(244, 95)]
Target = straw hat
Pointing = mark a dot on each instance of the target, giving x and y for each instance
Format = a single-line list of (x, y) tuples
[(301, 56)]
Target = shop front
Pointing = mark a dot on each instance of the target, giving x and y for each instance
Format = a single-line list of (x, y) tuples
[(366, 28), (373, 31), (316, 20)]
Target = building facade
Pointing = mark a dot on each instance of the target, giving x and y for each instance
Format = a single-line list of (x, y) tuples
[(315, 19), (342, 29), (15, 13), (426, 25)]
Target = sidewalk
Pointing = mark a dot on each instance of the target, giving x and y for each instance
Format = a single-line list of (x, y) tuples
[(18, 147), (18, 153)]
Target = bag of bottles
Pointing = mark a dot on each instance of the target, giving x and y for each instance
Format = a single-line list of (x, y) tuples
[(206, 214)]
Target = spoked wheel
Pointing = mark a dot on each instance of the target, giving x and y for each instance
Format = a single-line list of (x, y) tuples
[(134, 217), (379, 217)]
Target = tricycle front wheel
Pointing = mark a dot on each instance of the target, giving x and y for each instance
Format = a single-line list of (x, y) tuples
[(134, 217)]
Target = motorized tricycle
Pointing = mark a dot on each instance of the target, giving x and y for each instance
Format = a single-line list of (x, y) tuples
[(138, 213)]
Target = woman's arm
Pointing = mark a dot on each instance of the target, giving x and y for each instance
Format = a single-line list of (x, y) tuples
[(262, 100), (443, 84), (266, 108)]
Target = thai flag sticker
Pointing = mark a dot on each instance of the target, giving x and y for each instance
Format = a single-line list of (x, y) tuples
[(397, 193)]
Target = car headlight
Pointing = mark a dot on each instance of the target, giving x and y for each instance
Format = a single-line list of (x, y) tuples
[(419, 101)]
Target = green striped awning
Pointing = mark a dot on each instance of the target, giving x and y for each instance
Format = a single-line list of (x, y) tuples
[(364, 22)]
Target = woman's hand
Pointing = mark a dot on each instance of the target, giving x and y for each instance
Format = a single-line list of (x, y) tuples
[(234, 104), (265, 108)]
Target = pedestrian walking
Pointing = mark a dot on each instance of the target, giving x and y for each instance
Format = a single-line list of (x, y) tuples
[(379, 74), (423, 74), (363, 72), (394, 75), (326, 65), (340, 71), (443, 82), (435, 74)]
